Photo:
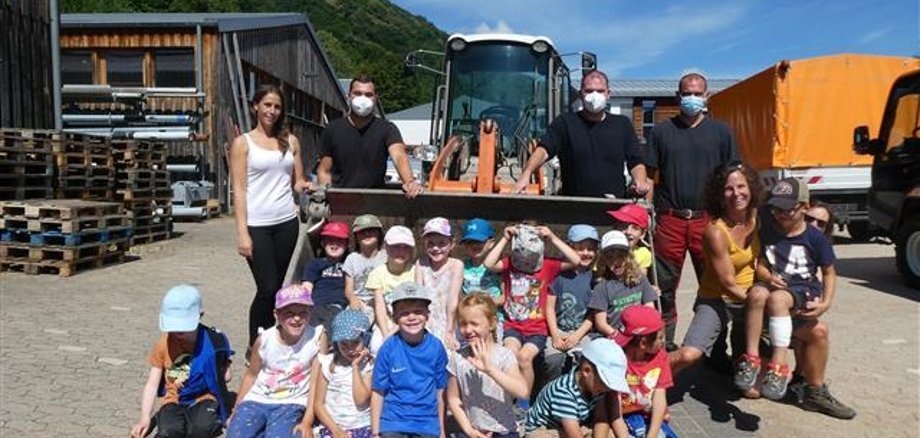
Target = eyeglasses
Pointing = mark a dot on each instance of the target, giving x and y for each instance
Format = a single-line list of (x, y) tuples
[(790, 211), (821, 222)]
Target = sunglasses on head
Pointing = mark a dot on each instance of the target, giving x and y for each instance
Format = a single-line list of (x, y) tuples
[(821, 222), (731, 167)]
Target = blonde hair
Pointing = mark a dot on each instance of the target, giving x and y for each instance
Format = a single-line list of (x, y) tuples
[(489, 308), (632, 273)]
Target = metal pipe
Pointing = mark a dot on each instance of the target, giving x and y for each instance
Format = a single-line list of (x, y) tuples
[(56, 63), (104, 90), (243, 95), (199, 74), (233, 89)]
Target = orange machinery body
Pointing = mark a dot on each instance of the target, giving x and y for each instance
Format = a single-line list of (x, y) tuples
[(486, 180)]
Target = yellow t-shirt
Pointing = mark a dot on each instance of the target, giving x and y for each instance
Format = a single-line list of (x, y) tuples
[(382, 279), (643, 256), (742, 261)]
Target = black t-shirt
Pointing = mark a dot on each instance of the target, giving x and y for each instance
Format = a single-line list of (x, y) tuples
[(592, 154), (359, 156), (685, 157)]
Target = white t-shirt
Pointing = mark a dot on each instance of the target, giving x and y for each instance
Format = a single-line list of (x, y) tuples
[(285, 374), (359, 268), (487, 404), (340, 401)]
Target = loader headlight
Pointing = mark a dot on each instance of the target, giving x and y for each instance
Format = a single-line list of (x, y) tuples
[(457, 44), (539, 46)]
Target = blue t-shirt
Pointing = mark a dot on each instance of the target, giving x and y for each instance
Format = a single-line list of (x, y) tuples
[(409, 377), (573, 293), (796, 258), (328, 282)]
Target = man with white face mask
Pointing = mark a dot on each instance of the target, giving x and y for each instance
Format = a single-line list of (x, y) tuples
[(353, 149), (684, 150), (592, 145)]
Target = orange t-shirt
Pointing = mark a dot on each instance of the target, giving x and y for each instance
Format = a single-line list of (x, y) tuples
[(175, 359)]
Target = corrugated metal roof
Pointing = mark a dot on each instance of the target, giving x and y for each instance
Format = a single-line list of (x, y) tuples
[(224, 22), (420, 112), (658, 87)]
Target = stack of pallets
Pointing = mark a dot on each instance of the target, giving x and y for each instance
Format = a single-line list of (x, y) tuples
[(143, 186), (84, 167), (26, 164), (64, 236)]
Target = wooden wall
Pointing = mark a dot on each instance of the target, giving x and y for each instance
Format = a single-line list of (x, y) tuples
[(25, 64)]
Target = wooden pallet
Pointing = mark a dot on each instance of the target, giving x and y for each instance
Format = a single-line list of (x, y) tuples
[(64, 225), (85, 159), (88, 194), (26, 168), (84, 182), (62, 268), (28, 138), (87, 171), (25, 192), (59, 209), (54, 238), (41, 253), (24, 180), (25, 155), (145, 239)]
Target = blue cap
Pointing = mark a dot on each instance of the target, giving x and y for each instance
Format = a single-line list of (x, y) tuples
[(477, 229), (610, 362), (580, 232), (181, 309), (349, 324)]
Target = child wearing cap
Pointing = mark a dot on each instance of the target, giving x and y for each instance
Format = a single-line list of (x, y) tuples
[(442, 273), (622, 284), (275, 390), (648, 373), (324, 280), (343, 390), (400, 246), (632, 220), (367, 255), (791, 254), (526, 276), (189, 368), (568, 299), (585, 393), (410, 373), (477, 241)]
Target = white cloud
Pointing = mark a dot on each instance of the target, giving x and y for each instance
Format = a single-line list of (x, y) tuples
[(500, 27), (871, 37)]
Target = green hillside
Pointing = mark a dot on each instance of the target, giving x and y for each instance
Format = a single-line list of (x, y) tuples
[(361, 36)]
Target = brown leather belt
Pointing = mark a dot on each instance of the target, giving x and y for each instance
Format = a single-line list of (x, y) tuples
[(685, 214)]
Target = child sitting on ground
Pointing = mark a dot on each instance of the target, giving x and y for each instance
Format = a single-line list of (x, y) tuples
[(443, 274), (567, 302), (588, 392), (623, 284), (484, 377), (400, 246), (274, 393), (410, 373), (648, 373), (792, 251), (189, 368), (368, 232), (323, 278), (632, 220), (343, 390), (526, 276), (478, 240)]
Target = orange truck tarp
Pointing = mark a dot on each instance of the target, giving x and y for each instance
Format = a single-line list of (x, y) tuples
[(801, 113)]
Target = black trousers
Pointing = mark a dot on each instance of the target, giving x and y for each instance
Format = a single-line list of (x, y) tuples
[(200, 420), (272, 248)]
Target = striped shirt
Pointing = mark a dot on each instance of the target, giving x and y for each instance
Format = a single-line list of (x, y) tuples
[(559, 400)]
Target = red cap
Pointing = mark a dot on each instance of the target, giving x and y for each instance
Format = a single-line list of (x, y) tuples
[(335, 229), (637, 320), (631, 214)]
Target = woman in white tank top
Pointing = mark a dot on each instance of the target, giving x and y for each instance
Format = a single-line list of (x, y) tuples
[(266, 170)]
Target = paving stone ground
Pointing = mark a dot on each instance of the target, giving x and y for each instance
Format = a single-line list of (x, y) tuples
[(72, 350)]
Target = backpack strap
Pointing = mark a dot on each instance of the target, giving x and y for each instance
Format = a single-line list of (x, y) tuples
[(222, 352)]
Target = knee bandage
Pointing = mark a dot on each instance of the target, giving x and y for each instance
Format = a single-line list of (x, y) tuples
[(780, 331)]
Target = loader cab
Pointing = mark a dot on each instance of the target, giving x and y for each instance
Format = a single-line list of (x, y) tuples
[(894, 197)]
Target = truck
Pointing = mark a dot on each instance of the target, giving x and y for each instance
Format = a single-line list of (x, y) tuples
[(795, 119), (894, 194)]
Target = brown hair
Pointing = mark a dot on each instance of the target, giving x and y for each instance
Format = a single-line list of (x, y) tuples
[(632, 274), (713, 194), (279, 130), (481, 299), (829, 227), (635, 341), (364, 79)]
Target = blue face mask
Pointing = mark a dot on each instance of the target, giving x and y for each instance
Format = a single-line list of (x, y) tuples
[(692, 105)]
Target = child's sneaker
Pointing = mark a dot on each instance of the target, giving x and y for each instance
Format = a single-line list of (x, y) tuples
[(819, 399), (775, 382), (746, 371)]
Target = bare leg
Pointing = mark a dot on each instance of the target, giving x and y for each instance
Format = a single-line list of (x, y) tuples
[(683, 358), (778, 304), (525, 360), (815, 348), (754, 308)]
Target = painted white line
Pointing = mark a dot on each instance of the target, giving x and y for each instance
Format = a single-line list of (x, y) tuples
[(894, 341), (121, 308), (112, 361), (913, 371), (56, 331), (72, 348)]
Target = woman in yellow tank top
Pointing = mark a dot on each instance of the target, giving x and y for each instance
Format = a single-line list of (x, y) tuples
[(731, 247)]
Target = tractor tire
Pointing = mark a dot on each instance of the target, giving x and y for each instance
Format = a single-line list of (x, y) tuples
[(860, 231), (907, 252)]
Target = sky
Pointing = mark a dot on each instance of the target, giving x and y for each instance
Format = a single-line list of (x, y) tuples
[(661, 38)]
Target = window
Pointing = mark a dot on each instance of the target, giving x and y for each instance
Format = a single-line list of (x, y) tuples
[(125, 69), (77, 67), (648, 118), (174, 68)]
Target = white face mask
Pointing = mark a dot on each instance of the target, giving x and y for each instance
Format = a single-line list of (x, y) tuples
[(595, 102), (362, 105)]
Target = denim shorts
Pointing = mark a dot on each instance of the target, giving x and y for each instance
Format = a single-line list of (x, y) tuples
[(538, 341)]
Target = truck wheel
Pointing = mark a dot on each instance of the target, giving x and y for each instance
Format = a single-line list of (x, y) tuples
[(859, 231), (908, 253)]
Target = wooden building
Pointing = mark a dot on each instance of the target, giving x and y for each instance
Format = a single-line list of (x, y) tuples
[(175, 75), (25, 64)]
